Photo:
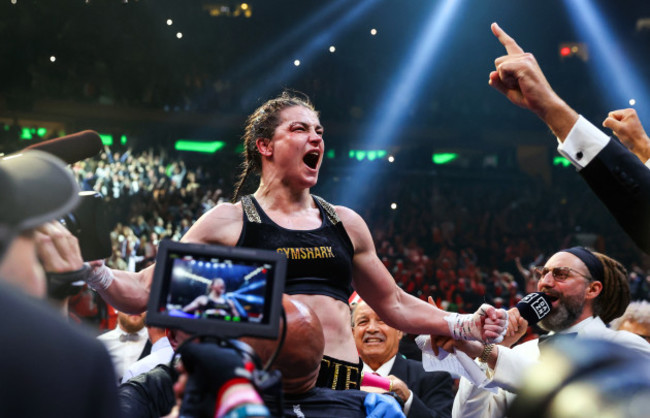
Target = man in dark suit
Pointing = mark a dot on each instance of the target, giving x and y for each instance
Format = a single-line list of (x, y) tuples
[(619, 179), (425, 394)]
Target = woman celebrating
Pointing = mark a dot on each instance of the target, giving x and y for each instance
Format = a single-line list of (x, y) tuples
[(329, 248)]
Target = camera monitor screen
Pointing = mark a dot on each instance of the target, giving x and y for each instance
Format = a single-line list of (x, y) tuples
[(220, 291)]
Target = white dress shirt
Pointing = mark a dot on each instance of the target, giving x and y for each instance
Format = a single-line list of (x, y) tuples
[(123, 353), (384, 371), (512, 364), (161, 353), (583, 143)]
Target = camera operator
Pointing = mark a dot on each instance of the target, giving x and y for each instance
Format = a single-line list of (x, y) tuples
[(49, 367), (211, 381), (220, 379)]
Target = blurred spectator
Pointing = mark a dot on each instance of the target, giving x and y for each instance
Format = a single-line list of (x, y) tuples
[(126, 342)]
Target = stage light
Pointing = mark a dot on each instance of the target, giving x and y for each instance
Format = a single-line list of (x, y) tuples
[(619, 78), (443, 158), (106, 139), (373, 31), (643, 24), (332, 49), (300, 31), (170, 22), (370, 155), (632, 102), (179, 35), (393, 206), (244, 6), (25, 134), (404, 89), (52, 58), (558, 160), (574, 49), (391, 159), (207, 147), (296, 63), (280, 75)]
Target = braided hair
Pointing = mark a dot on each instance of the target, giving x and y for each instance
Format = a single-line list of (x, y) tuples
[(261, 124), (615, 296)]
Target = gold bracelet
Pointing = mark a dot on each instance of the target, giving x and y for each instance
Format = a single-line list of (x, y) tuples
[(485, 354)]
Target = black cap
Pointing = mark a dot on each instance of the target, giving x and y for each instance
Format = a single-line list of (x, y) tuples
[(35, 188)]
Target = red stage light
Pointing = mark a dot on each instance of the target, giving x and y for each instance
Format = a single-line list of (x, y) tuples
[(565, 51)]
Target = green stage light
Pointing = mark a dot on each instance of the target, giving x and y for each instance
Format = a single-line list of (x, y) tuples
[(199, 146), (444, 158), (370, 155), (26, 134), (106, 139), (561, 161)]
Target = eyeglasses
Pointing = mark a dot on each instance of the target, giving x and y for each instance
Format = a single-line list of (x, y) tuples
[(560, 274)]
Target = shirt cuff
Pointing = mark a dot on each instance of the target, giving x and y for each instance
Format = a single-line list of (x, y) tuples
[(583, 143), (408, 403)]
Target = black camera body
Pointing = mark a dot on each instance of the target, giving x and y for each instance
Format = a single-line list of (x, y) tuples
[(88, 222)]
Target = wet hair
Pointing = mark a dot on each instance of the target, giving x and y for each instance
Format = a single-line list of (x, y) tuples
[(615, 296), (261, 124)]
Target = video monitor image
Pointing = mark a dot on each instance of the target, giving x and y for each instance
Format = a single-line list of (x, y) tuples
[(221, 291)]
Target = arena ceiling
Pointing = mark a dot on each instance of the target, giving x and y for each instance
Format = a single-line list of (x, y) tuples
[(218, 59)]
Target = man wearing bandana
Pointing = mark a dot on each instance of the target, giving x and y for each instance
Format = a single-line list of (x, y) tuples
[(587, 291)]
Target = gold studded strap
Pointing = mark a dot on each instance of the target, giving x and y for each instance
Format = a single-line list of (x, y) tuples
[(249, 209), (329, 210)]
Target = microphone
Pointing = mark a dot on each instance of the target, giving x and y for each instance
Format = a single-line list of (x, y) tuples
[(71, 148), (534, 307)]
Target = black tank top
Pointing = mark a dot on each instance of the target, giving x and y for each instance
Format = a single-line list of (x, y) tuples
[(319, 260)]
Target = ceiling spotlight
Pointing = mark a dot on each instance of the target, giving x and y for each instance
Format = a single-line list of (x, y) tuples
[(373, 31), (52, 58), (170, 22), (179, 35), (393, 206), (296, 63), (632, 102), (391, 159), (332, 48)]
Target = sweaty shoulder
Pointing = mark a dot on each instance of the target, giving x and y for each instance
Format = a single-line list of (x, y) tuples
[(220, 225), (356, 228)]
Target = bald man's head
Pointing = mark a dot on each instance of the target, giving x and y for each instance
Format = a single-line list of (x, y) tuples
[(300, 356)]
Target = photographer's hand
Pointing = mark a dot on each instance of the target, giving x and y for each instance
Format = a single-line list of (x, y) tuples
[(59, 253), (57, 248)]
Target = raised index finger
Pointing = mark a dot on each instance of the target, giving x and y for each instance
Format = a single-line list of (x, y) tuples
[(505, 39)]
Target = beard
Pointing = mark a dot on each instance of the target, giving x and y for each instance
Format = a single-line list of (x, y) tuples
[(131, 324), (564, 315)]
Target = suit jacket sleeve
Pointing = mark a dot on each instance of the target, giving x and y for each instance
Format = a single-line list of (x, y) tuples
[(432, 391), (622, 182)]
